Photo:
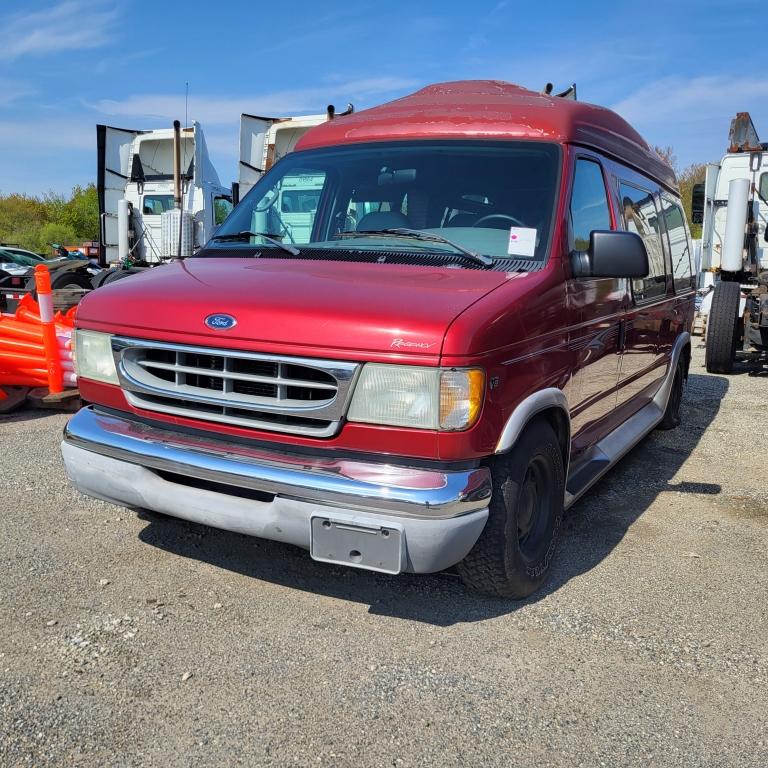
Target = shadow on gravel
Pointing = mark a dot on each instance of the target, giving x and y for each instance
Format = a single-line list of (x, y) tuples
[(594, 527)]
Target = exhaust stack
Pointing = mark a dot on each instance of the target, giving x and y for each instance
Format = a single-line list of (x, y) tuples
[(176, 164)]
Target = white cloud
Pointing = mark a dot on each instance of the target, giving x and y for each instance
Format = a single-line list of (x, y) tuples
[(42, 136), (13, 90), (698, 98), (693, 115), (217, 110), (64, 26)]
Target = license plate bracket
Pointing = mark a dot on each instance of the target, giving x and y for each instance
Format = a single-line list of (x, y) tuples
[(348, 540)]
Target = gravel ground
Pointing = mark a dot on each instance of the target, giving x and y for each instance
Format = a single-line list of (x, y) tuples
[(139, 640)]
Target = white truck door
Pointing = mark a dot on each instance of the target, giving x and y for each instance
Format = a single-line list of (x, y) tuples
[(253, 149), (708, 225), (113, 148)]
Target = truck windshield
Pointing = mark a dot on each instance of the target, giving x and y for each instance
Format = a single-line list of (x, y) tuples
[(492, 198)]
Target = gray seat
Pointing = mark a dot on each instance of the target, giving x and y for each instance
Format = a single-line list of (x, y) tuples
[(377, 220)]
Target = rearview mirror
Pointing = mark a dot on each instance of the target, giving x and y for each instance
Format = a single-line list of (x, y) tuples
[(697, 204), (611, 254)]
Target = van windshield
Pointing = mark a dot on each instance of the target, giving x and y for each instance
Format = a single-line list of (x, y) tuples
[(493, 198)]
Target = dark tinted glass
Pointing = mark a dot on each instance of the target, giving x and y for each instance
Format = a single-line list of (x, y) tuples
[(589, 204), (764, 186), (487, 196), (679, 243), (642, 218)]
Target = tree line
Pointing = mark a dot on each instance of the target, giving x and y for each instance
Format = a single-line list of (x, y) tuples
[(36, 222)]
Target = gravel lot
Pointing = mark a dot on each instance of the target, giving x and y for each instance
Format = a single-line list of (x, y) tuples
[(136, 640)]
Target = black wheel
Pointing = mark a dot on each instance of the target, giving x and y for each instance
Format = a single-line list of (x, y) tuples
[(70, 279), (723, 328), (119, 274), (671, 418), (514, 553), (100, 278)]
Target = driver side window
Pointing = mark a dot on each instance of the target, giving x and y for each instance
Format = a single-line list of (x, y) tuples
[(589, 204)]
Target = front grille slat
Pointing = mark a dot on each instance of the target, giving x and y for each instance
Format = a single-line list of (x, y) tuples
[(297, 395), (225, 374)]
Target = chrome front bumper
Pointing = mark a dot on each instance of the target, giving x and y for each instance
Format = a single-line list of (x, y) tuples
[(275, 495)]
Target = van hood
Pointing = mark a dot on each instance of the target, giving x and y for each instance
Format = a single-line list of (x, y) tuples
[(353, 307)]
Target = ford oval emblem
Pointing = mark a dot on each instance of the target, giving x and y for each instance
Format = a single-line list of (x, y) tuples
[(220, 322)]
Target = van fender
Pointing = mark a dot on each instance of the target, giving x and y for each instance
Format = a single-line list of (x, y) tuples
[(662, 396), (543, 400)]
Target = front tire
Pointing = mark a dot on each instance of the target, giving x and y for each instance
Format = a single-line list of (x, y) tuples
[(723, 328), (513, 556), (671, 418)]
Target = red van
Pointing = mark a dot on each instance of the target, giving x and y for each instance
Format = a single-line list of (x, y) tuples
[(484, 303)]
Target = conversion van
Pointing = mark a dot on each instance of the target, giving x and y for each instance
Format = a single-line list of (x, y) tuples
[(488, 304)]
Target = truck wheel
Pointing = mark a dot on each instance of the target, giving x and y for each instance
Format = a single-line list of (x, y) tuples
[(671, 418), (69, 279), (514, 553), (120, 274), (723, 328)]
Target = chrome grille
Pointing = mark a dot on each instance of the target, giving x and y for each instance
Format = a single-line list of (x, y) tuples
[(283, 394)]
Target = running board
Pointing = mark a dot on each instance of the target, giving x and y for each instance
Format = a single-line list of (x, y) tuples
[(610, 450)]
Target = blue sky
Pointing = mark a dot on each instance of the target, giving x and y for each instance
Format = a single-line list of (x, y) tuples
[(677, 71)]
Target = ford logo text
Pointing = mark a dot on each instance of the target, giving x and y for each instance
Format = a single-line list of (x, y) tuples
[(220, 322)]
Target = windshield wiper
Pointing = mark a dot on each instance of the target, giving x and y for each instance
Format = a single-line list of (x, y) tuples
[(418, 234), (268, 236)]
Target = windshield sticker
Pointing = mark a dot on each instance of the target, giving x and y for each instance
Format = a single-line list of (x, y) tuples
[(522, 241)]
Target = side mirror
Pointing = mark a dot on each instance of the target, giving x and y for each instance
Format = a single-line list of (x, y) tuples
[(697, 204), (612, 254)]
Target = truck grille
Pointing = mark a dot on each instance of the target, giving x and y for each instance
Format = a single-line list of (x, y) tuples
[(281, 394)]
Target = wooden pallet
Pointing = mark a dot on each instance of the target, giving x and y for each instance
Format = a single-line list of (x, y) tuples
[(699, 324)]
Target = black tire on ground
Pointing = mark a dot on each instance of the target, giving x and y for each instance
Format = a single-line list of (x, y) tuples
[(514, 553), (723, 328), (70, 279), (119, 274), (671, 418), (100, 277)]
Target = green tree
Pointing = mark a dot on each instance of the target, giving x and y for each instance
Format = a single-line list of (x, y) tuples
[(32, 222), (689, 176), (61, 234), (81, 212)]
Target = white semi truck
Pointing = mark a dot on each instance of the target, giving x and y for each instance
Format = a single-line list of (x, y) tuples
[(143, 177), (732, 206), (160, 196)]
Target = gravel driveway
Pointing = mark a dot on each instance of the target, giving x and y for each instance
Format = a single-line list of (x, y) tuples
[(140, 640)]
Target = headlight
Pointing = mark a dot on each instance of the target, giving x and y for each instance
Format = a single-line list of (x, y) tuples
[(93, 356), (421, 398)]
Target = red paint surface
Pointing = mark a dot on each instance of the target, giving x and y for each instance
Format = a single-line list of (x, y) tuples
[(491, 109), (528, 331)]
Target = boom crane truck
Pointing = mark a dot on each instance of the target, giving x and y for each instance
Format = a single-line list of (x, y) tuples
[(732, 206)]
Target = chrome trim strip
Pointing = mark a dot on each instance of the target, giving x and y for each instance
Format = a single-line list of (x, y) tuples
[(141, 385), (370, 486), (143, 404)]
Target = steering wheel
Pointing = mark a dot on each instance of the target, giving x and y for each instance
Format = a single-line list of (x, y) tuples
[(506, 216)]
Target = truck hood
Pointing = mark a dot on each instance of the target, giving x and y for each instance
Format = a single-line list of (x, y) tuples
[(280, 303)]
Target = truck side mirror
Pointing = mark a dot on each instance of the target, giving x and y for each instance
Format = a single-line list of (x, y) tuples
[(612, 254), (697, 203)]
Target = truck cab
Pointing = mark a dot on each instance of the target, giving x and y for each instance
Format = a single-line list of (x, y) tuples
[(419, 338)]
